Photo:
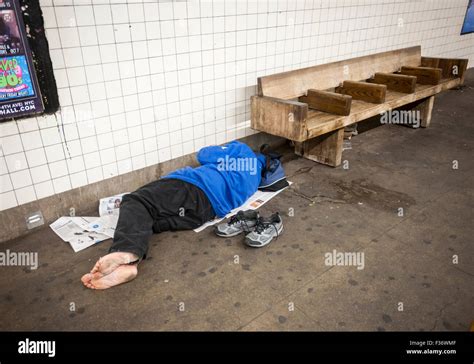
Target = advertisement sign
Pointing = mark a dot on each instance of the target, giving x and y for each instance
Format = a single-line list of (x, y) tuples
[(19, 91)]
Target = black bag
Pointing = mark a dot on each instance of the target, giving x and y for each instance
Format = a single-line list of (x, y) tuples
[(273, 174)]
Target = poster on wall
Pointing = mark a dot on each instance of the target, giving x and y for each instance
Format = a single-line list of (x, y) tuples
[(468, 25), (19, 91)]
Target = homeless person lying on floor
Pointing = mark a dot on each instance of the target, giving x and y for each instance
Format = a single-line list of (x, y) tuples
[(184, 200)]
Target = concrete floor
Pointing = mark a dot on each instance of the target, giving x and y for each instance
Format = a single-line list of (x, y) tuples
[(407, 259)]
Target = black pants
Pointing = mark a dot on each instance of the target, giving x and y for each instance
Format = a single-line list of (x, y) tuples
[(166, 204)]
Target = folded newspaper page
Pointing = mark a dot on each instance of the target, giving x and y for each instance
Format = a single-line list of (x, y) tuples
[(110, 205), (74, 230), (82, 232)]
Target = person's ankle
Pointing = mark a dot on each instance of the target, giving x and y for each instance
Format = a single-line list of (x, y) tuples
[(128, 258), (132, 258)]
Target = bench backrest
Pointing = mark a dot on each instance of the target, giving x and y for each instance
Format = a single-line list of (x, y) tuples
[(292, 84)]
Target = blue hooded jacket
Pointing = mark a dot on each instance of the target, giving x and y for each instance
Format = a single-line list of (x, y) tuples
[(228, 175)]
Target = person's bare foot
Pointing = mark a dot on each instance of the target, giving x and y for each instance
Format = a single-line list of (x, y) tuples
[(112, 261), (122, 274), (111, 270)]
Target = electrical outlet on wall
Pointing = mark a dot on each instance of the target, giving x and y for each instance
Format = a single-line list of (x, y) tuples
[(34, 219)]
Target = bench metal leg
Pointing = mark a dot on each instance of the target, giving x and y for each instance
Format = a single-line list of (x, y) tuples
[(426, 110), (326, 149)]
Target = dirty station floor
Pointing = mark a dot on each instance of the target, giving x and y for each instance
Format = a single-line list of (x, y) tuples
[(190, 281)]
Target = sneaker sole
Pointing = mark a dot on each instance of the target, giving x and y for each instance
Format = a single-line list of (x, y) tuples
[(228, 235), (249, 243)]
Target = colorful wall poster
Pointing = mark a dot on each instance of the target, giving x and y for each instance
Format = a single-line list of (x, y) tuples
[(19, 91), (15, 79)]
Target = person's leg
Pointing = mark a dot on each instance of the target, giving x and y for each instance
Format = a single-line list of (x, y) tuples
[(135, 224), (193, 210), (130, 243), (166, 204), (140, 210)]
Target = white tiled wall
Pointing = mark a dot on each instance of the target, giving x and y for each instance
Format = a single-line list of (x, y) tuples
[(141, 82)]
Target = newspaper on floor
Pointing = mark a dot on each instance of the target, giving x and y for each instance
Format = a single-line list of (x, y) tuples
[(258, 199), (74, 230), (110, 205), (104, 225), (82, 232)]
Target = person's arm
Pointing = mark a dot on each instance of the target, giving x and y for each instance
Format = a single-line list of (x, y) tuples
[(210, 155), (214, 153)]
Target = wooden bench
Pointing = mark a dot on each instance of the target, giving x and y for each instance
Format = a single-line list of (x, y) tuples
[(311, 106)]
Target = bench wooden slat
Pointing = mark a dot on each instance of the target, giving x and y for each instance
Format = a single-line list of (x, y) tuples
[(319, 123), (424, 75), (364, 91), (451, 67), (326, 101), (394, 82)]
